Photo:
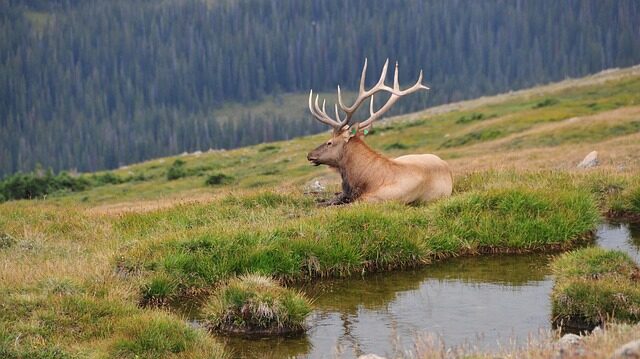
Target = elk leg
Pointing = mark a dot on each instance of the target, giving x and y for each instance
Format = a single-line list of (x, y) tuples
[(339, 199)]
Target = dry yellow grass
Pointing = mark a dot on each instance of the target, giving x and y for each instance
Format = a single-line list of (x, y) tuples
[(600, 345)]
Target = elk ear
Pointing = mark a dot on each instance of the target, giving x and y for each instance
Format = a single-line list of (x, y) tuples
[(351, 132)]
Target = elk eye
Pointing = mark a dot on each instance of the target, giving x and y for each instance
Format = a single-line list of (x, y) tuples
[(329, 143)]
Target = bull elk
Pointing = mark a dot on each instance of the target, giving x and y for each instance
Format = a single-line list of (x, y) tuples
[(366, 174)]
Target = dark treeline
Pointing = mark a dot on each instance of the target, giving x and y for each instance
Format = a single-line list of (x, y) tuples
[(96, 84)]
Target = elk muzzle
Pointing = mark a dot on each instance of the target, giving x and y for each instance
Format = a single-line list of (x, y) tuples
[(313, 158)]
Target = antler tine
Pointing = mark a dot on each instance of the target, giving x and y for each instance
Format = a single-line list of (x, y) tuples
[(363, 75), (363, 94), (321, 115), (371, 113), (338, 116), (395, 95), (396, 82)]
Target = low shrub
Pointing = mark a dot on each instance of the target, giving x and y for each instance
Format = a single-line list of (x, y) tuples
[(38, 184), (268, 148), (106, 178), (470, 118), (546, 103), (472, 137), (396, 146), (218, 179), (176, 170)]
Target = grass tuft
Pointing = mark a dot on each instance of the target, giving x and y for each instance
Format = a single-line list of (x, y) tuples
[(594, 286), (6, 240), (159, 291), (155, 336), (255, 304)]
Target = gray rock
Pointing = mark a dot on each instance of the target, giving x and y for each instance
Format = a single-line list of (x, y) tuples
[(591, 160), (315, 187), (570, 339), (597, 331), (370, 356), (631, 350)]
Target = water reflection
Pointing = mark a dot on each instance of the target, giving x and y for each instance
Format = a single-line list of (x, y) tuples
[(481, 301), (621, 236)]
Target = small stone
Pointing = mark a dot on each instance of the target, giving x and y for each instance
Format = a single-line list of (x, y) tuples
[(570, 339), (370, 356), (197, 153), (315, 187), (590, 161), (597, 331), (630, 350)]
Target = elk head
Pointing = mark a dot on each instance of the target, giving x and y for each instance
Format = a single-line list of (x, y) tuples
[(331, 152)]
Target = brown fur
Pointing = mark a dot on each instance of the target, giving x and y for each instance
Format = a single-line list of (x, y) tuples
[(370, 176)]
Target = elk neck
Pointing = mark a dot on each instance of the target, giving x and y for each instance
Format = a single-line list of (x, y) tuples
[(363, 169)]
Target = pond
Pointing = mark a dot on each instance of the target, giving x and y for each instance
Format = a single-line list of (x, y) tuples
[(485, 302)]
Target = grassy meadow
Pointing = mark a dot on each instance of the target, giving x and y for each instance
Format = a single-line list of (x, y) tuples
[(96, 273)]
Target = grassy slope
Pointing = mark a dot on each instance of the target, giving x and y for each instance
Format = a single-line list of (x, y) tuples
[(98, 252), (515, 133)]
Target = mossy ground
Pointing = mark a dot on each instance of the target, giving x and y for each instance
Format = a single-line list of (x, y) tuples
[(75, 267), (594, 286)]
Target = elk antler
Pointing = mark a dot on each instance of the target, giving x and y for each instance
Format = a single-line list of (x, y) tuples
[(363, 94)]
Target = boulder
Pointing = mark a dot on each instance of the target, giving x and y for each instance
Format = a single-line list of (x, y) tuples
[(370, 356), (591, 160), (631, 350)]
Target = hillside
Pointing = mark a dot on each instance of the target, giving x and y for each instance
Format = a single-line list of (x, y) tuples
[(544, 128), (92, 85), (102, 272)]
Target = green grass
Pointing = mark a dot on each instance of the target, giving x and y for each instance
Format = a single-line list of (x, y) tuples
[(254, 304), (195, 247), (472, 137), (594, 286), (51, 326)]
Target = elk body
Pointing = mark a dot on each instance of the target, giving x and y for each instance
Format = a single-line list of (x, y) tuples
[(368, 175)]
